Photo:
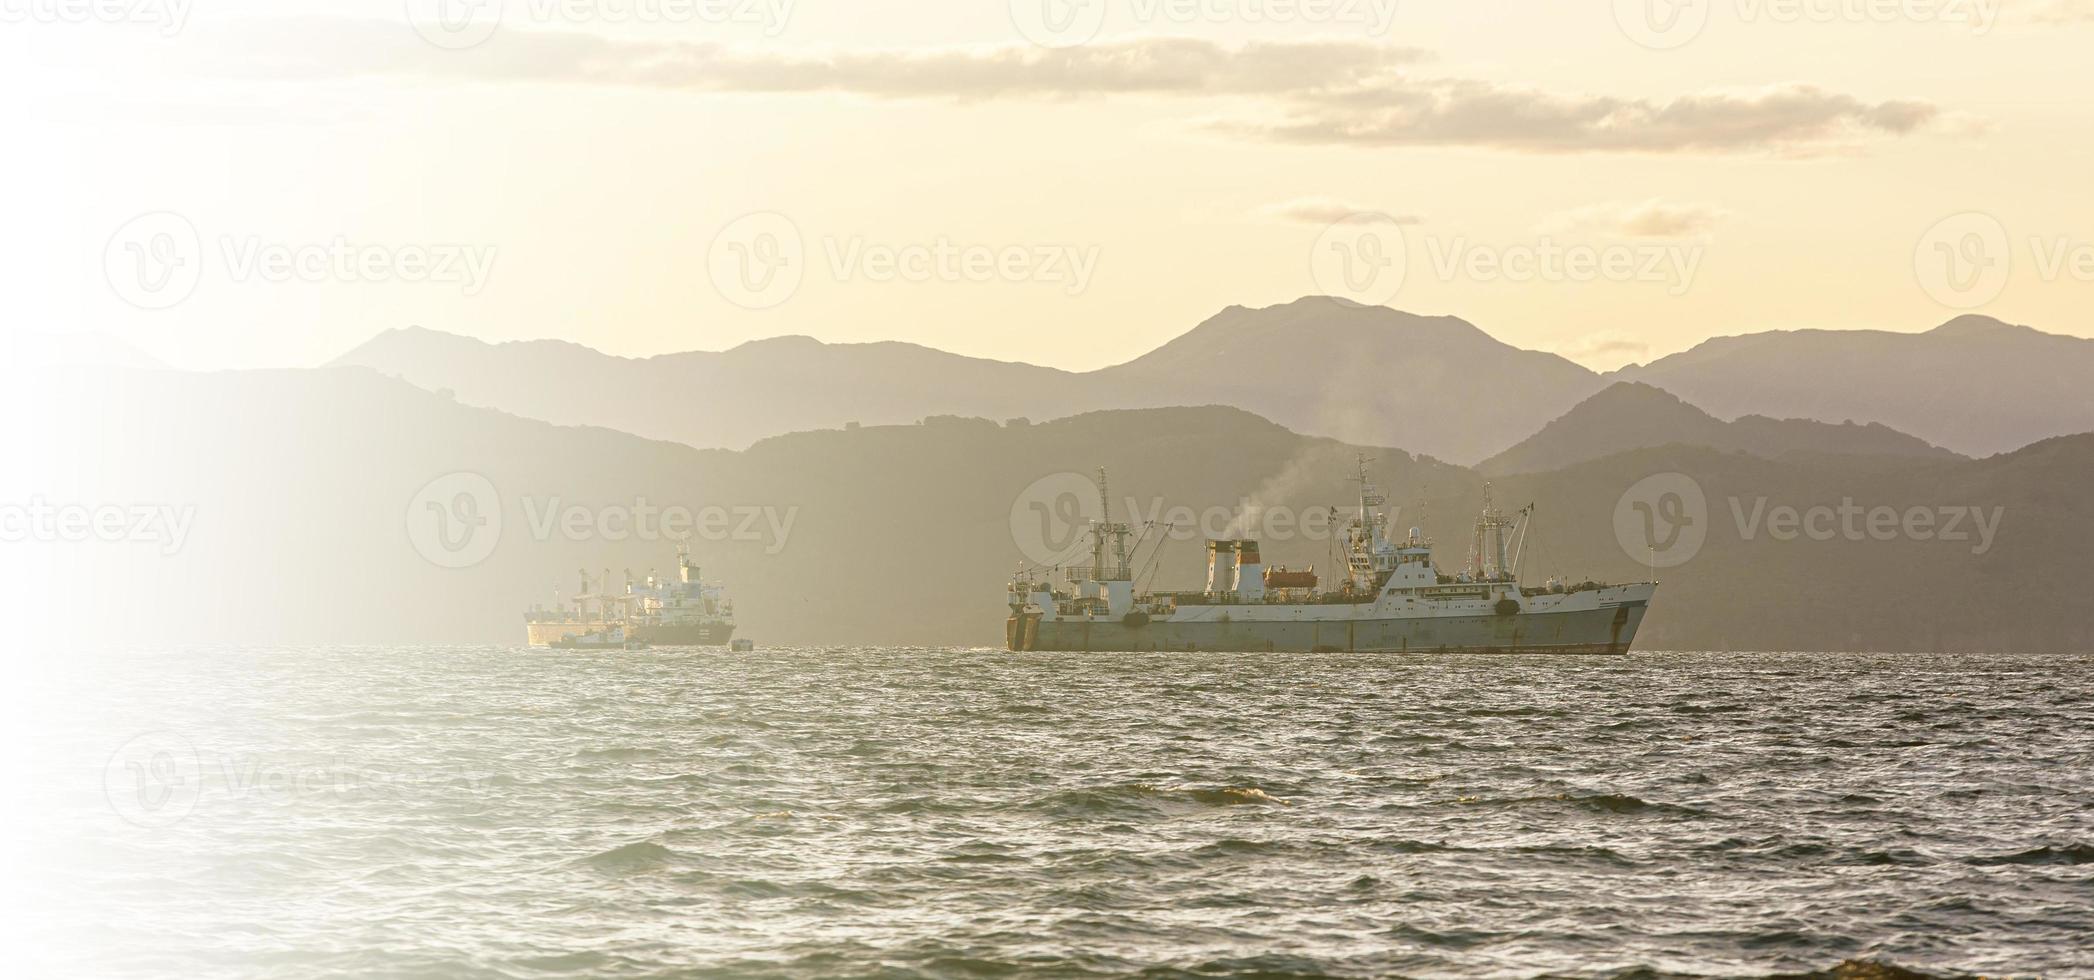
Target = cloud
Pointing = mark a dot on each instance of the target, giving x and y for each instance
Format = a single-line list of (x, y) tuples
[(1327, 210), (1646, 219), (316, 47), (1472, 113), (1605, 351), (1354, 92)]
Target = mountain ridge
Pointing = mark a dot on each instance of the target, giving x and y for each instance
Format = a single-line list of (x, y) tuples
[(1313, 364), (1630, 415), (877, 545), (1437, 384)]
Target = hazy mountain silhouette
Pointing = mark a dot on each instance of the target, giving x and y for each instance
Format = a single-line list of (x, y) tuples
[(904, 534), (37, 350), (1629, 415), (1436, 385), (1974, 384), (727, 399), (1367, 374)]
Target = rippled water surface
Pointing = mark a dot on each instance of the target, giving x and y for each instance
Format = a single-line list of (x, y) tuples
[(816, 813)]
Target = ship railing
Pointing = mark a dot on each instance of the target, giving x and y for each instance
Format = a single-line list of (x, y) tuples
[(1285, 597)]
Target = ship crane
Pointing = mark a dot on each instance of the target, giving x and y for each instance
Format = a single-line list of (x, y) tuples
[(1487, 559), (1107, 533)]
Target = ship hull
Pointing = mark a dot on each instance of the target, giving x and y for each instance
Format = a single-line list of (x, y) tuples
[(1603, 630), (545, 634), (685, 634)]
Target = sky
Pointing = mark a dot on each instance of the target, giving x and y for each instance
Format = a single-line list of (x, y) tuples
[(1064, 182)]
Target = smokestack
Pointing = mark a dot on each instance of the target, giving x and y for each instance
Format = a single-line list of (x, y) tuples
[(1221, 566), (1250, 571)]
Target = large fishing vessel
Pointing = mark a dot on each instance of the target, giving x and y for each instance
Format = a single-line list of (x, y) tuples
[(684, 611), (1390, 596)]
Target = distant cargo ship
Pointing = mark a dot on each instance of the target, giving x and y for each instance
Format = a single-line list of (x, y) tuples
[(682, 612), (1390, 597)]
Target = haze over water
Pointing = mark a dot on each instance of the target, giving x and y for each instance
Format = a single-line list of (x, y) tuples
[(815, 813)]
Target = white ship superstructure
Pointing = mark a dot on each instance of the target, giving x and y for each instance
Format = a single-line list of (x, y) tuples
[(683, 611), (1391, 597)]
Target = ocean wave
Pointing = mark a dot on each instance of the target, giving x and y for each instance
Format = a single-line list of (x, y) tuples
[(2068, 854), (1614, 803), (640, 855), (1150, 797)]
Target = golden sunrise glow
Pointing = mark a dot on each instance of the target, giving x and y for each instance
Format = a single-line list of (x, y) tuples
[(954, 182)]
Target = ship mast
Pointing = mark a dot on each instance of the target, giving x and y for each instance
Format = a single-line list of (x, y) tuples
[(1102, 529), (1487, 553), (1367, 535)]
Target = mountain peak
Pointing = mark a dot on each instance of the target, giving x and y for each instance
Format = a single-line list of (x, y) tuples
[(1630, 415), (1634, 394), (783, 342), (1972, 324)]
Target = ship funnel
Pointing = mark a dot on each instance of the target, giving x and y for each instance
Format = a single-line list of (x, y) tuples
[(1221, 566), (1250, 571)]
